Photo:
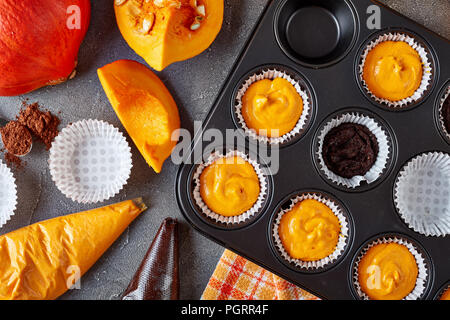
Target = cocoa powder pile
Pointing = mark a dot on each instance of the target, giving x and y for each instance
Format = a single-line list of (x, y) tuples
[(44, 125), (16, 138), (17, 135)]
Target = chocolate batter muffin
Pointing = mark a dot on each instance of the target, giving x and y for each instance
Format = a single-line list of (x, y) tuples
[(350, 150), (446, 114)]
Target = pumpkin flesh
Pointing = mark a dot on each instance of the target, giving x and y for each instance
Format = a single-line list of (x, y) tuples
[(145, 107)]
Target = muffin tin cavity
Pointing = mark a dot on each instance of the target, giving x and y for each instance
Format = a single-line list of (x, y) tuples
[(303, 89), (345, 235), (422, 194), (232, 222), (316, 33), (442, 290), (423, 261), (428, 65), (443, 100), (385, 143)]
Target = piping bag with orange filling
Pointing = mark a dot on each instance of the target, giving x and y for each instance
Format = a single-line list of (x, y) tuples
[(41, 261), (157, 276)]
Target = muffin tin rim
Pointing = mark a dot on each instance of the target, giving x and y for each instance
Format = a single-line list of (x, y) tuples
[(435, 67), (437, 113), (350, 48), (441, 290), (351, 231), (392, 160), (427, 259), (265, 21)]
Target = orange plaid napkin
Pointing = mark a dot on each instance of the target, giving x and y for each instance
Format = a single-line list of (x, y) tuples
[(236, 278)]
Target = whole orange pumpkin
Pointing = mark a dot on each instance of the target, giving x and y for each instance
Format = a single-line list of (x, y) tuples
[(39, 42)]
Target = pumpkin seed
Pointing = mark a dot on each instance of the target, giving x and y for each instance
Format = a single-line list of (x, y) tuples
[(175, 4), (197, 23), (148, 23), (119, 2), (201, 10), (133, 11), (167, 3), (195, 26), (139, 3)]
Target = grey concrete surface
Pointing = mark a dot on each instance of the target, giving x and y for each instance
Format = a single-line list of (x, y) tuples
[(194, 85)]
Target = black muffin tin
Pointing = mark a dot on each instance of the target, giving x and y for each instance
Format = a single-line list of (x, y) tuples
[(326, 60)]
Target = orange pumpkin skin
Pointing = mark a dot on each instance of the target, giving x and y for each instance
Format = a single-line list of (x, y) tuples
[(39, 42), (170, 38), (145, 107)]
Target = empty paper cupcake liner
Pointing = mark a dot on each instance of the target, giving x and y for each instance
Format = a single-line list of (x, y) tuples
[(8, 194), (441, 118), (272, 74), (422, 194), (343, 236), (384, 153), (90, 161), (427, 74), (253, 211), (423, 267)]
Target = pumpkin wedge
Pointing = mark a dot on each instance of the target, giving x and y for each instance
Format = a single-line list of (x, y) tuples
[(145, 107), (39, 262), (167, 31)]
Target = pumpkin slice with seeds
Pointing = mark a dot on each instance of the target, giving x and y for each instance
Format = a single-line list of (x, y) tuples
[(167, 31)]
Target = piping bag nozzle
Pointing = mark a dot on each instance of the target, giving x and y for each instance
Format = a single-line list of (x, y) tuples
[(158, 276)]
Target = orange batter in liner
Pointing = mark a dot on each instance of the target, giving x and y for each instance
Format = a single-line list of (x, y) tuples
[(310, 231), (229, 186), (445, 295), (387, 271), (393, 70), (272, 107)]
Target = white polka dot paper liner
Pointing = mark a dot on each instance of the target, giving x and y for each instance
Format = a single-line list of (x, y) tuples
[(8, 194), (90, 161), (422, 194)]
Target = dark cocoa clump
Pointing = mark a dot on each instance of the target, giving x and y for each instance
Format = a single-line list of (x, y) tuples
[(17, 135), (16, 138), (44, 125), (350, 149)]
